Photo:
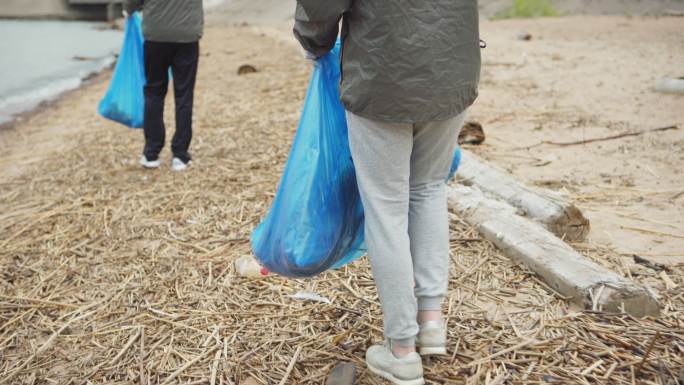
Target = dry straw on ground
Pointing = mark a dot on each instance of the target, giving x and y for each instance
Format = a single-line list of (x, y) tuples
[(110, 274)]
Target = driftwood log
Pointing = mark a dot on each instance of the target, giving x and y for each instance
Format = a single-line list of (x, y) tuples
[(549, 209), (574, 276)]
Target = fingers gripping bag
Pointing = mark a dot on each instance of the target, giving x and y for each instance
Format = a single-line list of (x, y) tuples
[(316, 219), (124, 101)]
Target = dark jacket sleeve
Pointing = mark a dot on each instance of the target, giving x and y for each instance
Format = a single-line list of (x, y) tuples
[(133, 5), (317, 24)]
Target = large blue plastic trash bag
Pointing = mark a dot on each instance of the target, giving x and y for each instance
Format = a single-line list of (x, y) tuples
[(124, 101), (316, 219)]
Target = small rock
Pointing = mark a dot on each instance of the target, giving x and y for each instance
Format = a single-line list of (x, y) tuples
[(525, 36), (246, 69)]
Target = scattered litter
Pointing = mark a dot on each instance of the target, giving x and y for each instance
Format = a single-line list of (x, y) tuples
[(344, 373), (246, 69), (309, 296), (670, 85), (525, 36), (247, 266), (472, 133)]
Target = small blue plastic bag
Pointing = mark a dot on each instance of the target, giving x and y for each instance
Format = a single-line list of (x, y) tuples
[(316, 219), (455, 163), (124, 101)]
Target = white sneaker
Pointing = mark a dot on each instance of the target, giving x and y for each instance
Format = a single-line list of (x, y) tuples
[(432, 338), (179, 165), (407, 370), (149, 163)]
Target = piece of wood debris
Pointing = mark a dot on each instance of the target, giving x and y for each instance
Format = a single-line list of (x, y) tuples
[(569, 273), (552, 211)]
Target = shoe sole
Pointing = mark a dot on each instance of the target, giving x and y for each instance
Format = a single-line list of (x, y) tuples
[(182, 167), (432, 351), (394, 380)]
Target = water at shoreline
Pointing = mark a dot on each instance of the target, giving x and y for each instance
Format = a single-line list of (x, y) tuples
[(42, 59)]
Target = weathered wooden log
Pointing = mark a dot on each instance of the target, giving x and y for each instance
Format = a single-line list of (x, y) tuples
[(546, 207), (566, 271)]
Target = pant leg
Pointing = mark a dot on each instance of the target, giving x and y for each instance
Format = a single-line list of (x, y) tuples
[(434, 144), (381, 153), (157, 60), (184, 67)]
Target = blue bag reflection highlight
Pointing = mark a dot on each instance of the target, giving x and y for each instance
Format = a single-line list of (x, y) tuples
[(316, 219), (124, 101)]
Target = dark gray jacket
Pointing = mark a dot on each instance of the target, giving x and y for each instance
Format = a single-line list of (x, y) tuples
[(174, 21), (402, 61)]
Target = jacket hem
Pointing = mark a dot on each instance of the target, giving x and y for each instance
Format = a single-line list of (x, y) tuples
[(167, 40), (468, 96)]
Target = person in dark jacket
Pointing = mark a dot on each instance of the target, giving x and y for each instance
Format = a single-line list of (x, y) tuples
[(172, 30), (410, 69)]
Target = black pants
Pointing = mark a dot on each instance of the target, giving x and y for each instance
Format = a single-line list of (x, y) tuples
[(182, 58)]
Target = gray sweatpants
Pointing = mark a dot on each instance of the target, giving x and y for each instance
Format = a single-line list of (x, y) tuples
[(401, 170)]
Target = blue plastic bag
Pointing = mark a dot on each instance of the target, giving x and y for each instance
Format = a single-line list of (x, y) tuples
[(124, 101), (454, 163), (316, 219)]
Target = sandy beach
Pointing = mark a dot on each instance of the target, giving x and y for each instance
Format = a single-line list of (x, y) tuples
[(585, 77), (113, 274)]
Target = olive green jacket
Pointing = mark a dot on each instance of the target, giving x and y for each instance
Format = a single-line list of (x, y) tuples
[(173, 21), (402, 61)]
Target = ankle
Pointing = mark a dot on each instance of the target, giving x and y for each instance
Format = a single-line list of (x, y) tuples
[(400, 351), (429, 315)]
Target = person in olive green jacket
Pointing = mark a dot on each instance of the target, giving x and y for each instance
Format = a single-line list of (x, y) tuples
[(172, 30), (410, 69)]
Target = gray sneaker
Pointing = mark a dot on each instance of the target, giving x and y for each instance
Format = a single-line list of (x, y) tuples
[(407, 370), (432, 339)]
